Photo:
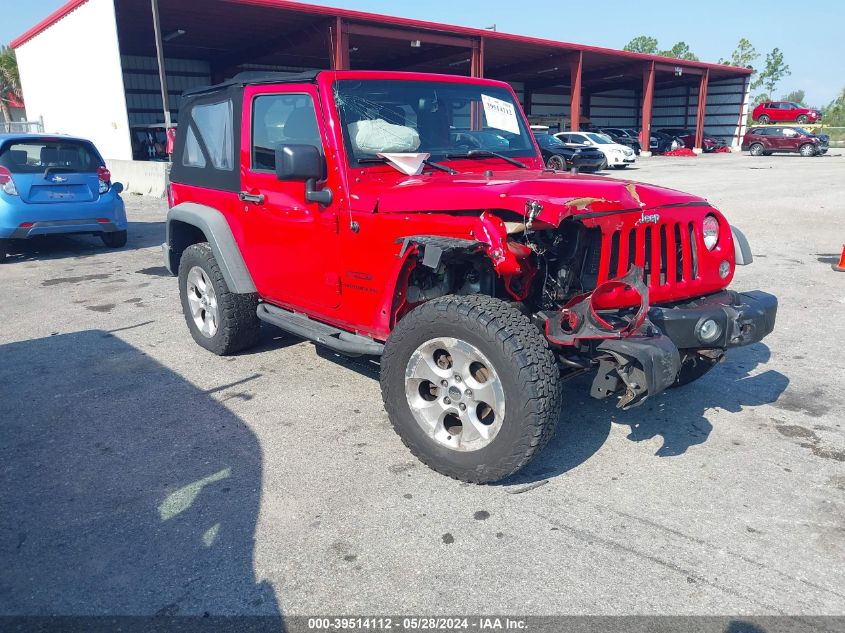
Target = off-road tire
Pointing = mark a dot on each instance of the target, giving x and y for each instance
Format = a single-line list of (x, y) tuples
[(520, 356), (802, 119), (114, 239), (764, 119), (807, 150), (693, 367), (756, 149), (239, 327)]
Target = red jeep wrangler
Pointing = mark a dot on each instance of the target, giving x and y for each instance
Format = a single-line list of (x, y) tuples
[(410, 216)]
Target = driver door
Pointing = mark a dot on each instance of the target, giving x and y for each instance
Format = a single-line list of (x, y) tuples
[(292, 244)]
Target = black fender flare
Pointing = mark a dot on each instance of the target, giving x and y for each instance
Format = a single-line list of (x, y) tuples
[(217, 233)]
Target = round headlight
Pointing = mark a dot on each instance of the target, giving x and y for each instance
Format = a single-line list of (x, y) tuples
[(724, 269), (711, 231)]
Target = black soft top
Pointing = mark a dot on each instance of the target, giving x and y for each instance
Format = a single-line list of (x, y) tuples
[(252, 78)]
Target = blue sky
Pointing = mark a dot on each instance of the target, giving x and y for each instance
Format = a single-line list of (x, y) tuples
[(810, 35)]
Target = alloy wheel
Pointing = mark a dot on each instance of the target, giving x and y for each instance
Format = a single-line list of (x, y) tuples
[(203, 301), (455, 394)]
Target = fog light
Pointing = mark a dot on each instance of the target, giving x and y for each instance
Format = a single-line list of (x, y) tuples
[(708, 331), (724, 269)]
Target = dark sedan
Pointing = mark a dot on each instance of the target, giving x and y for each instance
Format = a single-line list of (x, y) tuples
[(560, 156), (709, 143)]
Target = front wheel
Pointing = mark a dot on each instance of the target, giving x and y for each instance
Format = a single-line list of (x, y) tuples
[(603, 165), (764, 119), (756, 150), (219, 320), (115, 239), (802, 119), (471, 387), (807, 149), (557, 163)]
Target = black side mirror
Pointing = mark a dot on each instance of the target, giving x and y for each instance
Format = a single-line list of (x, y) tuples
[(303, 162)]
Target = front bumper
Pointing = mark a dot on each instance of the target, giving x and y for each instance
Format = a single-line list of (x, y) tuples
[(742, 319), (641, 356)]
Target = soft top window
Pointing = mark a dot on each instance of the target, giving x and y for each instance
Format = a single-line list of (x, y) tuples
[(36, 155), (214, 123), (208, 139)]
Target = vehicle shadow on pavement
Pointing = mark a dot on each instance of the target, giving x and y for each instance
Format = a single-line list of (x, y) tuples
[(125, 489), (43, 247), (678, 416)]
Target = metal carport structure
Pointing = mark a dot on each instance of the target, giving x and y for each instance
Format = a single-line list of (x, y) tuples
[(205, 41)]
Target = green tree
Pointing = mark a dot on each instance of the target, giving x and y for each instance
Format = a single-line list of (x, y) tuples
[(642, 44), (10, 81), (774, 70), (680, 50), (744, 55), (796, 96)]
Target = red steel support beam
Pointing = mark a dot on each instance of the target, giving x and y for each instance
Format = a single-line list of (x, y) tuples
[(477, 70), (702, 109), (648, 99), (393, 33), (339, 38), (575, 68), (477, 66)]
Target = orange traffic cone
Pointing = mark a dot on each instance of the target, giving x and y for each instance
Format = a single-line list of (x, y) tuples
[(841, 265)]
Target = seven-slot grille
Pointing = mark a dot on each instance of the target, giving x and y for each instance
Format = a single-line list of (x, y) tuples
[(667, 252)]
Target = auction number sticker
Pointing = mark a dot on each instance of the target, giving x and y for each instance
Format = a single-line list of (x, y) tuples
[(500, 114)]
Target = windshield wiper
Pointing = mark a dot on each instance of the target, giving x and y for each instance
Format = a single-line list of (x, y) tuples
[(430, 163), (484, 153)]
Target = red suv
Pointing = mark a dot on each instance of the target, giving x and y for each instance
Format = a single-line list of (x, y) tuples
[(411, 217), (764, 141), (784, 111)]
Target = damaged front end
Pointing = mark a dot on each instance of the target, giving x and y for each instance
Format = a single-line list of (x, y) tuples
[(635, 360)]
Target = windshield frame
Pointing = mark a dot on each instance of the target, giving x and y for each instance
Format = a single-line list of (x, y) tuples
[(356, 159)]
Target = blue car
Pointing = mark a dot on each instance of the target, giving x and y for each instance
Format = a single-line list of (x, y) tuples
[(56, 185)]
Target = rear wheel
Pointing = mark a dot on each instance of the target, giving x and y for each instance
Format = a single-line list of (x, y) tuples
[(807, 149), (764, 119), (756, 149), (557, 163), (221, 321), (115, 239), (802, 118), (470, 387)]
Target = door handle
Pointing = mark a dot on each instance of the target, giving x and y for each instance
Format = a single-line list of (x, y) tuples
[(255, 198)]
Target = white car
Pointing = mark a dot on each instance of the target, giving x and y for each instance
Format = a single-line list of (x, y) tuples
[(617, 156)]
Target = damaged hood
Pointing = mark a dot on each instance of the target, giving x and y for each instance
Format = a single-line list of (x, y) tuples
[(561, 195)]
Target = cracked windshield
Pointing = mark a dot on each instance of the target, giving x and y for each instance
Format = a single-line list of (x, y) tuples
[(446, 120)]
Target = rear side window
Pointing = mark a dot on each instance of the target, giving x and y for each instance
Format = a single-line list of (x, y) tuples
[(282, 118), (212, 129), (35, 156)]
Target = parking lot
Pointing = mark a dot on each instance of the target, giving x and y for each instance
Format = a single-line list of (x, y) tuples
[(140, 474)]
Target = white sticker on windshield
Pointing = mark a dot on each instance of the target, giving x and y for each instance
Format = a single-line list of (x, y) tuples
[(500, 114)]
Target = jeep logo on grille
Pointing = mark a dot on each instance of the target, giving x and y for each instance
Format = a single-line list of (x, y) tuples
[(654, 218)]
